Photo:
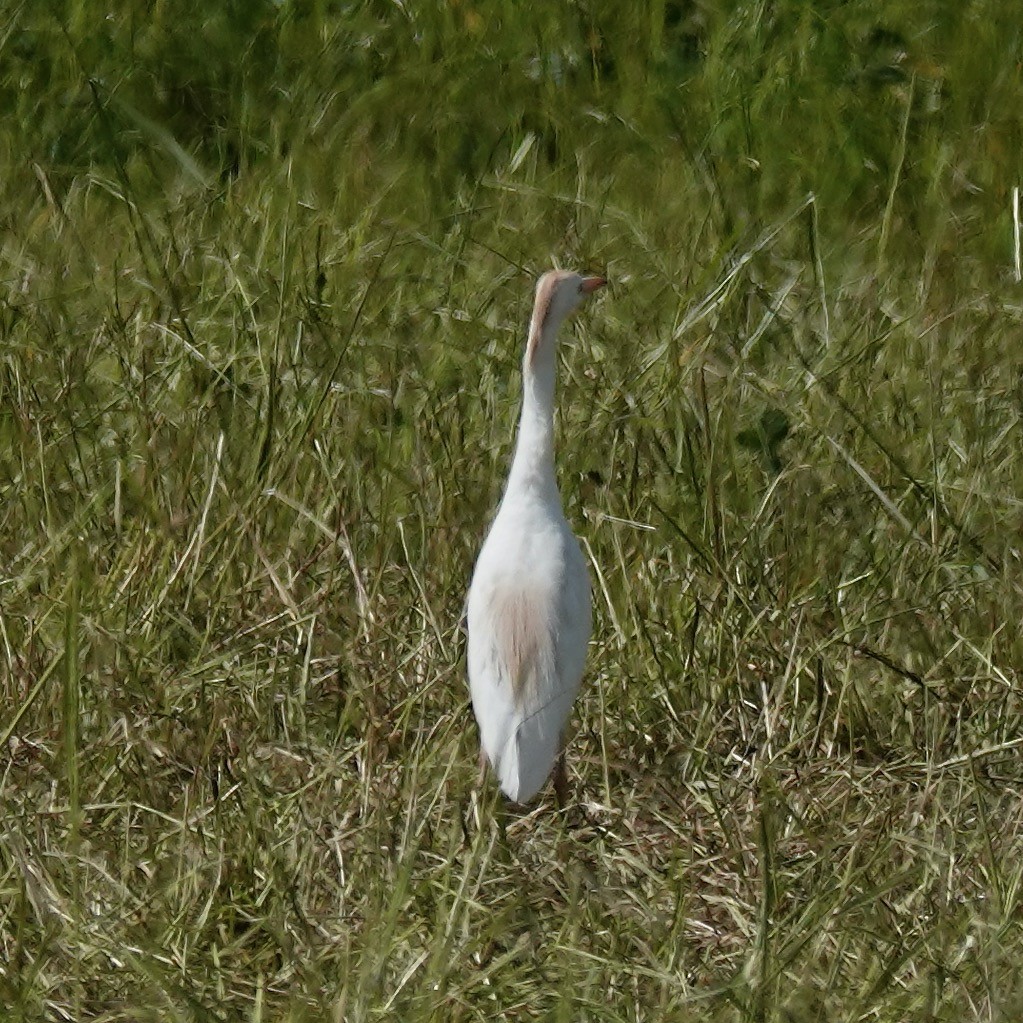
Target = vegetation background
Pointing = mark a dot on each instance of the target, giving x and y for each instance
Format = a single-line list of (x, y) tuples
[(265, 273)]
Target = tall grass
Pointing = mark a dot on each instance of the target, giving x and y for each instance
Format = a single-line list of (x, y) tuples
[(265, 273)]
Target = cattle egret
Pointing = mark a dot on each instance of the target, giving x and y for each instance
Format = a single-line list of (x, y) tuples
[(529, 602)]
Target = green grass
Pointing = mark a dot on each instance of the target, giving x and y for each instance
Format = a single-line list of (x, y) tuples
[(265, 277)]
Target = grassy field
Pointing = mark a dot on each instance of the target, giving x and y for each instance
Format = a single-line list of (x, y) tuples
[(265, 274)]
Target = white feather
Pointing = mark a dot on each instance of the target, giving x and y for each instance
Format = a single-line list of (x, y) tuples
[(529, 614)]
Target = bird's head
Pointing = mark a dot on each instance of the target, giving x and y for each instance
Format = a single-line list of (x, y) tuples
[(558, 294)]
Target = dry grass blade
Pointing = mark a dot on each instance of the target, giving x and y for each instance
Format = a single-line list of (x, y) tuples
[(261, 301)]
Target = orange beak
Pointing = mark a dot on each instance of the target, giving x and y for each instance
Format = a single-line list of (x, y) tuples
[(591, 284)]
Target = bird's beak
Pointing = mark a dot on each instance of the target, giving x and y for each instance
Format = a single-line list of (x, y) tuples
[(591, 284)]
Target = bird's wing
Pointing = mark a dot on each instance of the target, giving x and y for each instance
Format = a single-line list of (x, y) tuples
[(547, 701), (527, 647), (510, 653), (575, 615)]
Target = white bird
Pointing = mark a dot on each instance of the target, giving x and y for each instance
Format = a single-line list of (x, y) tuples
[(529, 610)]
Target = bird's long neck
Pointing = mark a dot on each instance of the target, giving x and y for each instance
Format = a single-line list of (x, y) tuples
[(533, 464)]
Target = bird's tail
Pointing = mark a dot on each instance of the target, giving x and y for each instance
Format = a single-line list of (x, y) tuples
[(528, 757)]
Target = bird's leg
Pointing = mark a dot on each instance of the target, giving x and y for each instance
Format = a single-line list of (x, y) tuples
[(479, 788), (501, 817), (560, 782)]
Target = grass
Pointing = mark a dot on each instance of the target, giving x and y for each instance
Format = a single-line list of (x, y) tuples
[(265, 275)]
